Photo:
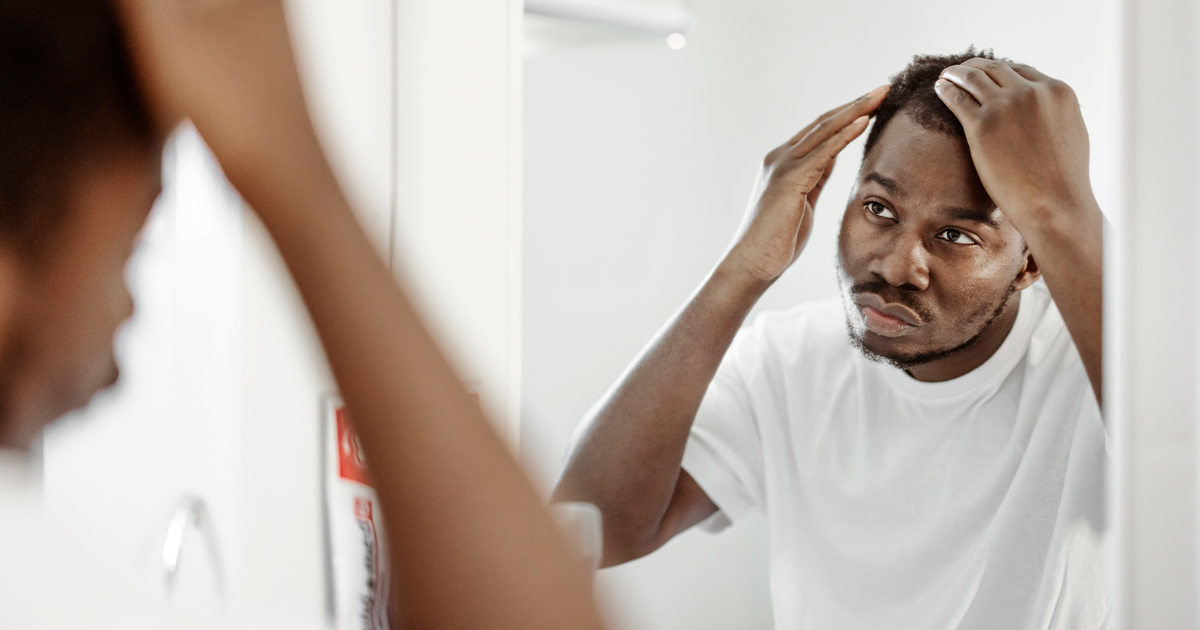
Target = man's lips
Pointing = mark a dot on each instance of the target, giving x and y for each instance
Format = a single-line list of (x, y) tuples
[(882, 318)]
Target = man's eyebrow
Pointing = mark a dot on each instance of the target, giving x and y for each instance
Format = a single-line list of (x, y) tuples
[(986, 217), (888, 183)]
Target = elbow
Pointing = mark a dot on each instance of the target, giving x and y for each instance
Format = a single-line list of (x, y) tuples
[(623, 536), (627, 539)]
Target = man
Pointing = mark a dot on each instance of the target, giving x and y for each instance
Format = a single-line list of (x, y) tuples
[(941, 466), (82, 123)]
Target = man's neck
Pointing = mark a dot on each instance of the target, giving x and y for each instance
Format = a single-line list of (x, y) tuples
[(975, 355)]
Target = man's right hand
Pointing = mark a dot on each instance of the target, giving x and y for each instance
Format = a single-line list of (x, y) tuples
[(779, 220)]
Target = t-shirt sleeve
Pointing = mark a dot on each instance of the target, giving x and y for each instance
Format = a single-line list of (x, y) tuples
[(724, 451)]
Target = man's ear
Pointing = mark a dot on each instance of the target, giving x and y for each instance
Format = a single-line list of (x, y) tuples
[(1029, 272)]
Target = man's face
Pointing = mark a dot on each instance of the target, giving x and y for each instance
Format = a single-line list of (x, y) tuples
[(927, 262), (62, 310)]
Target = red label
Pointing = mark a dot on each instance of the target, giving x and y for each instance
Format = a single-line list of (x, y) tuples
[(351, 463)]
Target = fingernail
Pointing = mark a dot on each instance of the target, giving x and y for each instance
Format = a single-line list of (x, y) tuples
[(879, 90), (940, 83)]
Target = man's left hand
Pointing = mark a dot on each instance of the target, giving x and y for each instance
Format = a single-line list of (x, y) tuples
[(1030, 148), (1027, 138)]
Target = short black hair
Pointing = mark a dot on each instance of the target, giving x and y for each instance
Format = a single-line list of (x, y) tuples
[(67, 94), (912, 92)]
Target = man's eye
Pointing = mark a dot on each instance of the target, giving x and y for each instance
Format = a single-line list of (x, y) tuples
[(957, 237), (879, 210)]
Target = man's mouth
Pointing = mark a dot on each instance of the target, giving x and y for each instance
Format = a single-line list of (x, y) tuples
[(884, 319)]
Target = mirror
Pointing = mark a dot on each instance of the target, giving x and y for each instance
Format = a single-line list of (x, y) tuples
[(639, 161)]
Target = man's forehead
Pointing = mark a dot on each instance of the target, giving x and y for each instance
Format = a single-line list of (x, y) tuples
[(914, 164)]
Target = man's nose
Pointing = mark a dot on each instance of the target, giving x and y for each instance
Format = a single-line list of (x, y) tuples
[(903, 261)]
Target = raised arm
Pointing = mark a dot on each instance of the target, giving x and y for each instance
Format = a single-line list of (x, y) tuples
[(472, 545), (1030, 147), (628, 460)]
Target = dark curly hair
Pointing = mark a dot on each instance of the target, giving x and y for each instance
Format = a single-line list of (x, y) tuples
[(67, 95), (912, 92)]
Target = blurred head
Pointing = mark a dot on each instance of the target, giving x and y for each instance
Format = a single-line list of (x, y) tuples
[(79, 172), (930, 269)]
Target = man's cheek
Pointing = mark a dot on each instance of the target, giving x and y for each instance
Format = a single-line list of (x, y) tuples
[(852, 248)]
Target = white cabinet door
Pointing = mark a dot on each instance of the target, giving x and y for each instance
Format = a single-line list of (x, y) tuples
[(417, 105)]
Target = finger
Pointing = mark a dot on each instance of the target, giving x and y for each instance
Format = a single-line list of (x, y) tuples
[(1031, 73), (876, 94), (973, 80), (815, 163), (957, 99), (820, 119), (998, 71), (829, 127), (815, 193)]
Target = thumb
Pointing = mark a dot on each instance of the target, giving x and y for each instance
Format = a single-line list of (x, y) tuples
[(960, 101)]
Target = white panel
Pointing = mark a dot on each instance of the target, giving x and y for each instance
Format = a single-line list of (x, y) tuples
[(458, 221), (284, 377), (345, 54), (1151, 316)]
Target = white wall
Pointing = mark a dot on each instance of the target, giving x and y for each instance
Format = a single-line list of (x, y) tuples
[(638, 164)]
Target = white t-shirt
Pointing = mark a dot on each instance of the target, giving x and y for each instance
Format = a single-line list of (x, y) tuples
[(893, 503)]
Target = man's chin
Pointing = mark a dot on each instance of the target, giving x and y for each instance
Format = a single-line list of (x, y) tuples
[(111, 377), (899, 352), (83, 394), (883, 350), (114, 375)]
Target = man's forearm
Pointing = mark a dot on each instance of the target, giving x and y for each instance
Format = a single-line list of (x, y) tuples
[(628, 461), (1067, 244)]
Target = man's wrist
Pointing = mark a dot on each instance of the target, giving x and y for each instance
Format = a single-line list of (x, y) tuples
[(1062, 224), (737, 280), (1051, 214)]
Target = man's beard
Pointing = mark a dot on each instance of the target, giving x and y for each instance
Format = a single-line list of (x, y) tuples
[(907, 297)]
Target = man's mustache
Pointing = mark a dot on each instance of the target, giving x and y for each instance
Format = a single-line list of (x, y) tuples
[(893, 295)]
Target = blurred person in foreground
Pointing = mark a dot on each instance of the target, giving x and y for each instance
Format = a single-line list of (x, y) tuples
[(928, 450), (88, 93)]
